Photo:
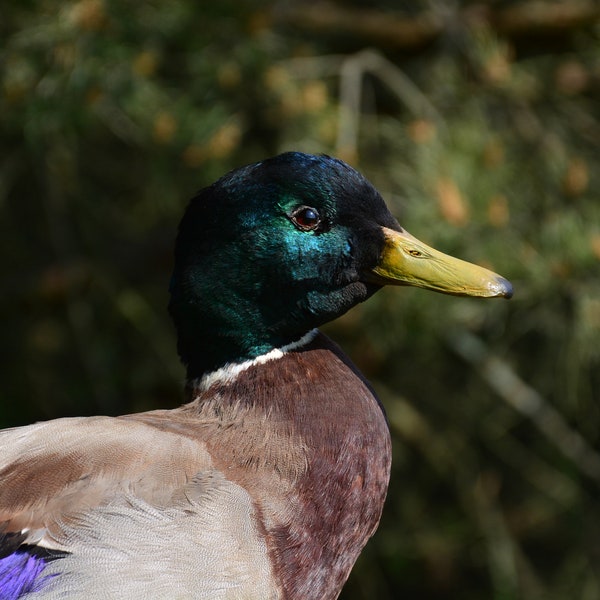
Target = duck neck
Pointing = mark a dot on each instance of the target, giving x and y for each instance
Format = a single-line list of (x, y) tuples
[(213, 338), (220, 325), (230, 371)]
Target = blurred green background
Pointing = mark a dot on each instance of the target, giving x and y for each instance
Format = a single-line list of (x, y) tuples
[(479, 123)]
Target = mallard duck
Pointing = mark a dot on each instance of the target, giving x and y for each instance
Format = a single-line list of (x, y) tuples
[(270, 479)]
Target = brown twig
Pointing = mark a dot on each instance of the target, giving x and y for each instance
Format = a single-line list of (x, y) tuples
[(395, 30), (544, 17)]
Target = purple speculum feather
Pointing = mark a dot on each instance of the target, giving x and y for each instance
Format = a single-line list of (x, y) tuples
[(20, 574)]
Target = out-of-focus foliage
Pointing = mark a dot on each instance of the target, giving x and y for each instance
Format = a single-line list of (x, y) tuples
[(480, 124)]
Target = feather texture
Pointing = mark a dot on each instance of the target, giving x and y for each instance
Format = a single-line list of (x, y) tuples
[(237, 494)]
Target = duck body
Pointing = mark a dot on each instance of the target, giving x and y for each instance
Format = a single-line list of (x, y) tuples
[(253, 492), (270, 480)]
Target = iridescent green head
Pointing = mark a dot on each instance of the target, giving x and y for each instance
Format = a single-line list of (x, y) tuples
[(274, 249)]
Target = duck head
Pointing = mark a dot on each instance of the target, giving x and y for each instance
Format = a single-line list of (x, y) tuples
[(277, 248)]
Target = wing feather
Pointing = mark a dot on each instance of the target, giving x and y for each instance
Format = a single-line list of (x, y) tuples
[(53, 470)]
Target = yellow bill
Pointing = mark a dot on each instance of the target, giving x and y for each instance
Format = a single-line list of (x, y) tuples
[(407, 261)]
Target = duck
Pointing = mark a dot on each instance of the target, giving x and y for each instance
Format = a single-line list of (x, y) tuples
[(267, 482)]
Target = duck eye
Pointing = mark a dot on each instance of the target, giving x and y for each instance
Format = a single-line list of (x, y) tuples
[(306, 218)]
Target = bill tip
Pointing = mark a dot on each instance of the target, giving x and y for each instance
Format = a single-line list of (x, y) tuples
[(504, 288)]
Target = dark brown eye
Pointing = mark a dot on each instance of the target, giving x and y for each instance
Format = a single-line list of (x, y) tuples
[(306, 218)]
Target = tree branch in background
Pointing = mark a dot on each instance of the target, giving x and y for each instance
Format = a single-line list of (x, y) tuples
[(351, 77), (351, 70), (527, 401), (394, 30)]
